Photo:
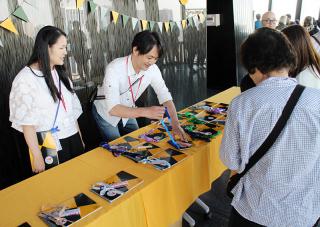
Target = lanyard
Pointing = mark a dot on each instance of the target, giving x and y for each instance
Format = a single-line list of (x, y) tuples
[(60, 93), (131, 90)]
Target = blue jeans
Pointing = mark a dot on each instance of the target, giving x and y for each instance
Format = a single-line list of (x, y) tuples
[(110, 132)]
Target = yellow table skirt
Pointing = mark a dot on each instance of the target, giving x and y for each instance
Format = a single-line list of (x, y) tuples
[(159, 201)]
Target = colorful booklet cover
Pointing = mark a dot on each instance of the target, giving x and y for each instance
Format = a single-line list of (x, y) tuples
[(70, 211), (165, 159), (116, 186), (142, 151)]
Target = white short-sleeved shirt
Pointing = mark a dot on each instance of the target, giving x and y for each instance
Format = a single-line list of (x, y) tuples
[(116, 86), (315, 43), (31, 103), (309, 78)]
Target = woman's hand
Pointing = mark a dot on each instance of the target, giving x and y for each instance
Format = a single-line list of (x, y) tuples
[(38, 164)]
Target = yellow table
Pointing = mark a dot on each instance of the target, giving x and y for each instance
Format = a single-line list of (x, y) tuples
[(159, 201)]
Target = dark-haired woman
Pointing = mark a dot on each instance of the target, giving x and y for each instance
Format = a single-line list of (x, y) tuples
[(42, 98), (125, 80), (307, 71)]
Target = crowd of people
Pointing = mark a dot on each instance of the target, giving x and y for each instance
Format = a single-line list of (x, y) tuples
[(280, 158)]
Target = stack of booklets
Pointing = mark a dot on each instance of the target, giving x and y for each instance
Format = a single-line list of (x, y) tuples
[(69, 212), (116, 186)]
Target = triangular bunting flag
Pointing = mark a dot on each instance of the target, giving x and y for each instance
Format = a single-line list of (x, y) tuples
[(7, 24), (184, 24), (134, 22), (151, 24), (1, 44), (125, 19), (115, 16), (20, 14), (160, 25), (172, 24), (144, 25), (201, 18), (196, 21), (190, 21), (92, 6), (166, 26), (184, 2), (179, 25), (79, 3)]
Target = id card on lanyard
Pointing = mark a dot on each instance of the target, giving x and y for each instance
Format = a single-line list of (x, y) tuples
[(54, 130), (130, 86)]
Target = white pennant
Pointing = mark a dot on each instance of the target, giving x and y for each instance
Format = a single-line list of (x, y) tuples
[(196, 21), (134, 22), (179, 25), (160, 25)]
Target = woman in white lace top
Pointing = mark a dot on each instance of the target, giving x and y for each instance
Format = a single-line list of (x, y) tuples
[(42, 98)]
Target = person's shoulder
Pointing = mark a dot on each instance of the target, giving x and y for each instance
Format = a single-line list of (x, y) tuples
[(311, 95), (25, 74), (154, 69), (117, 63)]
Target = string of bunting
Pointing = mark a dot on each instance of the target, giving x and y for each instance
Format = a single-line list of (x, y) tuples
[(18, 13), (193, 21)]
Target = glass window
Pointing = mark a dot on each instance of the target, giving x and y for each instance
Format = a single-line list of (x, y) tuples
[(310, 8), (260, 7), (283, 7), (169, 10), (141, 10)]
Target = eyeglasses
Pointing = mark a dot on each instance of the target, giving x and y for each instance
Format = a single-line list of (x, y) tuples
[(269, 21)]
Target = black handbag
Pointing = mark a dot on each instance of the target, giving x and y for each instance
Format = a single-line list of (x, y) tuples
[(291, 103)]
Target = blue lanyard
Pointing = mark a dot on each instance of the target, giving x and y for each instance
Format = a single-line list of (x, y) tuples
[(167, 130)]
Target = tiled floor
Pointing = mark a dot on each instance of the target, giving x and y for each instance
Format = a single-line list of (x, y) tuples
[(218, 202)]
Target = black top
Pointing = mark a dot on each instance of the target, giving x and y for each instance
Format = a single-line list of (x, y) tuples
[(246, 83)]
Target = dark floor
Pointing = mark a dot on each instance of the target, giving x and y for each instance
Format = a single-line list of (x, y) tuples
[(218, 202)]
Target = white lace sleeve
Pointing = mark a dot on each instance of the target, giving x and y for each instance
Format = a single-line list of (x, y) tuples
[(23, 105)]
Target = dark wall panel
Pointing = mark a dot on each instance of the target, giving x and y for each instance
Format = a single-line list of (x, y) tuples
[(243, 26), (221, 47)]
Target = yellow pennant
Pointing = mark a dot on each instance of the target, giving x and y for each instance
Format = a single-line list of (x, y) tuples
[(144, 24), (201, 17), (115, 16), (79, 3), (184, 2), (184, 24), (7, 24), (167, 26)]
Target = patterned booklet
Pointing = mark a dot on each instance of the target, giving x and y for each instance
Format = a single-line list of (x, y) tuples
[(69, 212), (116, 186), (165, 159)]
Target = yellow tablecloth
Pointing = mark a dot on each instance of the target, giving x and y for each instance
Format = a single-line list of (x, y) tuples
[(159, 201)]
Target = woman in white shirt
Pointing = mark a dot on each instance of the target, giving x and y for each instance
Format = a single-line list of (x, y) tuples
[(307, 71), (42, 98)]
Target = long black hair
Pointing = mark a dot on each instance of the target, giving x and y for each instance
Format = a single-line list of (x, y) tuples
[(46, 37)]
